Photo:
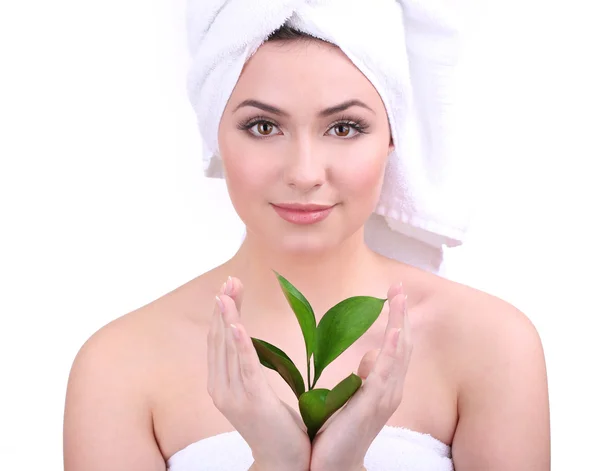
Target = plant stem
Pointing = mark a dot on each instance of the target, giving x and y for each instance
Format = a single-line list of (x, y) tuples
[(308, 370), (314, 382)]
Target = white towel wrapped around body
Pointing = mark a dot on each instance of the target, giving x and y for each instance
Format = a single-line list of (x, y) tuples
[(394, 449), (408, 49)]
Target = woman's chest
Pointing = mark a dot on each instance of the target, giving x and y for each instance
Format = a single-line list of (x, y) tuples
[(184, 412)]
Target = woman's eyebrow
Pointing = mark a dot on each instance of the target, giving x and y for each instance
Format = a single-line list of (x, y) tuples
[(326, 112), (344, 106)]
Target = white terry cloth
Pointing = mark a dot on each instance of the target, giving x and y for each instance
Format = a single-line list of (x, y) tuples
[(394, 449), (408, 49)]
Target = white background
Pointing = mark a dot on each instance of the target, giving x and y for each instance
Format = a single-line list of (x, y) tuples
[(103, 207)]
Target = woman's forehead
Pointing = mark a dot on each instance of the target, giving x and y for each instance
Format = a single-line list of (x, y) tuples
[(306, 71)]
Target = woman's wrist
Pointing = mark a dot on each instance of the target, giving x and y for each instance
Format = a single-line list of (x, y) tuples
[(360, 468), (259, 467)]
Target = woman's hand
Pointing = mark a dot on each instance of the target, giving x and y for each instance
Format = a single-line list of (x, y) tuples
[(239, 389), (341, 445)]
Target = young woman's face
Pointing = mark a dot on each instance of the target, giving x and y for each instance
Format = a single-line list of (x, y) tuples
[(303, 126)]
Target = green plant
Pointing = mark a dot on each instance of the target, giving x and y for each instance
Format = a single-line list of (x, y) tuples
[(340, 327)]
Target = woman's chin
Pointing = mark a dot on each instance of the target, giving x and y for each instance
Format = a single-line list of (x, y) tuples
[(305, 244)]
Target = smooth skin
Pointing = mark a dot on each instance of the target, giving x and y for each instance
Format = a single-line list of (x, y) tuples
[(277, 435), (139, 390), (241, 391), (344, 440)]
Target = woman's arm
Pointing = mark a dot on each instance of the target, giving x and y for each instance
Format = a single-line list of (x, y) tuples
[(108, 422), (504, 422)]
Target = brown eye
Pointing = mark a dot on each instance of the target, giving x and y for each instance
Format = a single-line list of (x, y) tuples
[(259, 127), (264, 128), (342, 130), (345, 130)]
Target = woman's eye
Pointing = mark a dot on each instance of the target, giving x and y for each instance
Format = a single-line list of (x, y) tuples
[(343, 130), (268, 129), (263, 128)]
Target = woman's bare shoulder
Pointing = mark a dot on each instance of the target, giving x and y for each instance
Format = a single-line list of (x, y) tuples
[(480, 332), (463, 313), (145, 339), (460, 320), (121, 372), (470, 326), (472, 310), (496, 359)]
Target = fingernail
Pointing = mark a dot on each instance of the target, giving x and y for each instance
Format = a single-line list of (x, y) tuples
[(229, 286), (236, 331), (220, 304)]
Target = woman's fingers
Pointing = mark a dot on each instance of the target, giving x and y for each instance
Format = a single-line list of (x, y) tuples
[(220, 354), (211, 347), (369, 359), (386, 379), (394, 290), (233, 364), (237, 370), (243, 364), (235, 290), (217, 338), (397, 303), (366, 363), (403, 352), (229, 299), (387, 358), (250, 369)]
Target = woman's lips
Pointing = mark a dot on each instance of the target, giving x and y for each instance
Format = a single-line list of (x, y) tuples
[(295, 215)]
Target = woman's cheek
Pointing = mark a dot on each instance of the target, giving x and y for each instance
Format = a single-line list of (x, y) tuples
[(364, 180), (248, 180), (238, 178)]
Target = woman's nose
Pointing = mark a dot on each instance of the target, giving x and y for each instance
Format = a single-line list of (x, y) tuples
[(305, 169)]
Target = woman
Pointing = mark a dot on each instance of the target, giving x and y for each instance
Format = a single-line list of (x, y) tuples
[(469, 368)]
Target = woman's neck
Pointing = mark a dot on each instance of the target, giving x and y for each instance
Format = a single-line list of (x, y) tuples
[(324, 278)]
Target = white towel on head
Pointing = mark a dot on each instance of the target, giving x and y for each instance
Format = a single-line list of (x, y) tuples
[(408, 49)]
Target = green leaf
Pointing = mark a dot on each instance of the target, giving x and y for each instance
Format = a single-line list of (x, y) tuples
[(304, 313), (313, 410), (275, 359), (343, 325), (317, 405), (340, 394)]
